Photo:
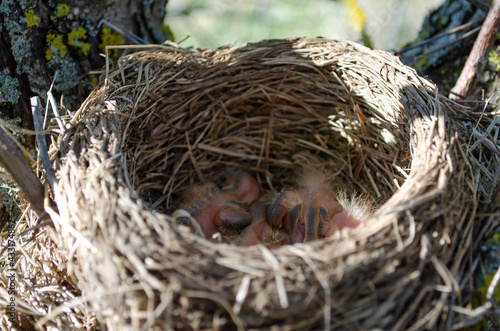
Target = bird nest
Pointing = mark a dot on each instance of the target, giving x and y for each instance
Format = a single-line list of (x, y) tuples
[(166, 118)]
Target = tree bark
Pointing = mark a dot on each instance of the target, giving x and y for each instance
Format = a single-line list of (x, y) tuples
[(445, 42), (478, 57), (38, 38)]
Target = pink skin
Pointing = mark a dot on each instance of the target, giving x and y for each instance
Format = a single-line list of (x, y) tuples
[(226, 210), (260, 231), (339, 222), (308, 213), (301, 215)]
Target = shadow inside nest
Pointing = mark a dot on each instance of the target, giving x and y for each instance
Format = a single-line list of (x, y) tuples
[(267, 115)]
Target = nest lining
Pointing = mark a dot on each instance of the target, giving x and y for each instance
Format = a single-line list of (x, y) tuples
[(264, 118), (169, 118)]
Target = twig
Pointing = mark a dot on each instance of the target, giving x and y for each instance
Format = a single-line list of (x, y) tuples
[(493, 285), (40, 141), (133, 37), (52, 101), (477, 59), (449, 43), (323, 282), (482, 4), (439, 36), (14, 161)]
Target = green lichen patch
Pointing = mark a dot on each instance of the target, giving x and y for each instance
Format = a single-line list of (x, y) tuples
[(67, 74), (168, 32), (62, 10), (31, 19), (494, 60), (110, 37), (76, 39), (20, 46), (422, 62), (9, 89), (56, 46)]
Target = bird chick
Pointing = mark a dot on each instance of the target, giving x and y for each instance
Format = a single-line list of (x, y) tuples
[(260, 231), (311, 210), (223, 210), (355, 209)]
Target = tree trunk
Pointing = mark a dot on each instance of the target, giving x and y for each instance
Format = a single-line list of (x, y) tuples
[(38, 38), (445, 42)]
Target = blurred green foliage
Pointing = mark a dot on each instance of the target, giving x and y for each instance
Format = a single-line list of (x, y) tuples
[(209, 24)]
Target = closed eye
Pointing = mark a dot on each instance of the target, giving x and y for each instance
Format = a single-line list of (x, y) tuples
[(324, 214)]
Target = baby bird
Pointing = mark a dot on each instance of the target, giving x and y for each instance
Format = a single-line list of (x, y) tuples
[(311, 210), (260, 231), (355, 209), (223, 210)]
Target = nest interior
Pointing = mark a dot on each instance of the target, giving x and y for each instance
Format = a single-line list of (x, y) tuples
[(264, 114), (168, 117)]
